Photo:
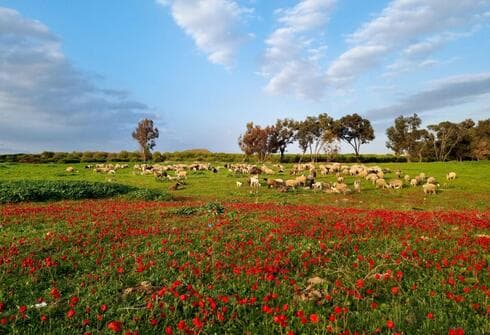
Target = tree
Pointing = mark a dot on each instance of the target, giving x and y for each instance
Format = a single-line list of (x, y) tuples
[(314, 133), (447, 135), (283, 134), (145, 134), (257, 140), (405, 137), (354, 130), (480, 144)]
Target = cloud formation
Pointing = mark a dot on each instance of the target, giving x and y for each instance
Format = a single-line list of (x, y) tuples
[(418, 27), (47, 103), (448, 92), (212, 24), (294, 50)]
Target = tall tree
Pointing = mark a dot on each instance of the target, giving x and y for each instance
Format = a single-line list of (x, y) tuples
[(256, 140), (480, 144), (405, 137), (146, 134), (447, 135), (354, 130), (283, 134), (314, 133)]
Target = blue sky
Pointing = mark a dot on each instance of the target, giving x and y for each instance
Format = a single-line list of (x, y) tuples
[(78, 75)]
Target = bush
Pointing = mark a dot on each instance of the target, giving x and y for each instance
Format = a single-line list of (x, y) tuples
[(148, 195), (45, 190)]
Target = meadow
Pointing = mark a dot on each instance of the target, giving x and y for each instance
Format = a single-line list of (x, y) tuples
[(471, 190), (220, 260)]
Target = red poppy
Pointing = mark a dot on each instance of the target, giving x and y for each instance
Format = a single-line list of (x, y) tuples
[(115, 326)]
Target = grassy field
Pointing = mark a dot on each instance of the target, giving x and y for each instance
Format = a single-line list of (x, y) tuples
[(471, 190), (217, 259)]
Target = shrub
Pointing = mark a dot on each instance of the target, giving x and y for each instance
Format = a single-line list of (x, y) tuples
[(45, 190)]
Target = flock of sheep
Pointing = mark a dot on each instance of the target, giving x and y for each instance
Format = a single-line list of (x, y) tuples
[(308, 174), (302, 175)]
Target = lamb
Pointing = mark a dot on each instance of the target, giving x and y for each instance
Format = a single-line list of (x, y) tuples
[(340, 179), (182, 174), (422, 176), (429, 188), (254, 182), (357, 186), (396, 184), (407, 178), (414, 182), (451, 176), (70, 169), (239, 184)]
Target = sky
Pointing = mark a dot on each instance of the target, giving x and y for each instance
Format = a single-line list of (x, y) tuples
[(79, 75)]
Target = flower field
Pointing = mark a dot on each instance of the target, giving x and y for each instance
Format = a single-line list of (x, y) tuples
[(135, 267)]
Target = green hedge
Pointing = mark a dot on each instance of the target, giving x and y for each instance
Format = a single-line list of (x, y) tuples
[(182, 156), (49, 190)]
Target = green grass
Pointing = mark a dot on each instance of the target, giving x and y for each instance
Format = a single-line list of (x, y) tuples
[(471, 190)]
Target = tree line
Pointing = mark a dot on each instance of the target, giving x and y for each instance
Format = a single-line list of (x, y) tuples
[(406, 138), (315, 135)]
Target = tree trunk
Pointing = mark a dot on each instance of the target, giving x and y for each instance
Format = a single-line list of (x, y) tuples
[(281, 159)]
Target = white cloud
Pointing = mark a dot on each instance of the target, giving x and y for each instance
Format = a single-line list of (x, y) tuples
[(212, 24), (443, 93), (418, 27), (45, 102), (292, 60)]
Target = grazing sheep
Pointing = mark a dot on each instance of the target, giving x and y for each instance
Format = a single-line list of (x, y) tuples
[(414, 182), (357, 186), (254, 182), (340, 179), (239, 184), (318, 186), (396, 184), (111, 172), (451, 176), (341, 188), (372, 177), (407, 178), (70, 169), (182, 175), (398, 173), (301, 180), (431, 180), (429, 188), (273, 183), (422, 176), (291, 183), (381, 183)]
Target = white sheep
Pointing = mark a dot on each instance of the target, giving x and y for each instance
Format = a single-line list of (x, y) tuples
[(451, 176), (239, 184), (429, 188), (396, 184), (431, 180), (414, 182)]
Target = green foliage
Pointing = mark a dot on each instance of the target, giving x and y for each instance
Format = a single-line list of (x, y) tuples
[(46, 190), (148, 195)]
